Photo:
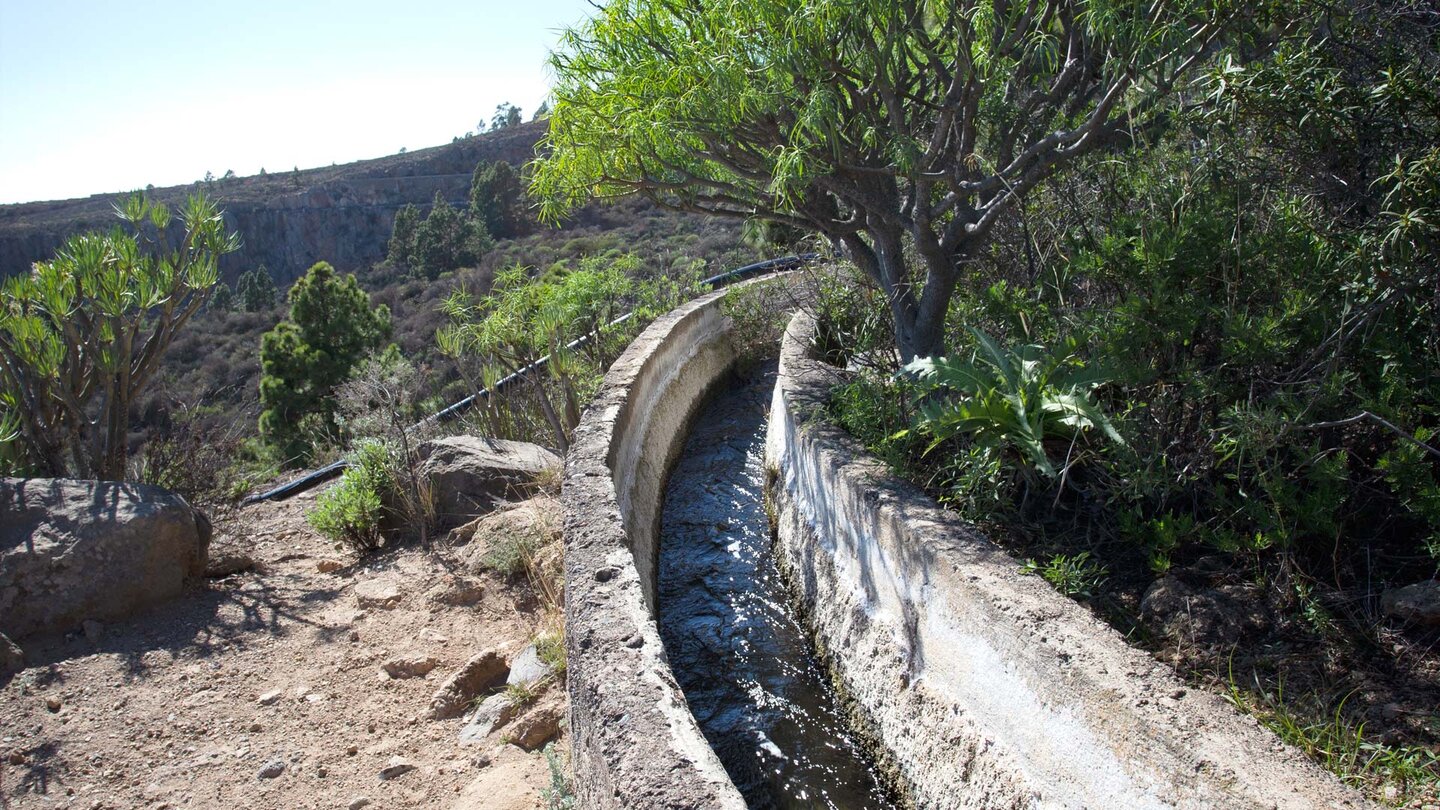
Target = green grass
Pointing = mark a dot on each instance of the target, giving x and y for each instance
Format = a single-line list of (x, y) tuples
[(1396, 773)]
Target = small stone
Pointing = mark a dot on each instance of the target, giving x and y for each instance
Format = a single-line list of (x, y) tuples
[(12, 659), (481, 672), (358, 802), (225, 565), (539, 726), (378, 593), (354, 635), (94, 631), (270, 698), (410, 666), (1419, 603), (327, 566), (314, 697), (272, 769), (254, 728), (53, 704), (321, 773), (396, 767), (527, 668), (494, 712), (351, 750)]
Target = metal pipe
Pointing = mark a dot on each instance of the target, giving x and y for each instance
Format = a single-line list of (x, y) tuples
[(329, 471)]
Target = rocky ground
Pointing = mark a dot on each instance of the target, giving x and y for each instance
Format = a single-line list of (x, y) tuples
[(301, 676)]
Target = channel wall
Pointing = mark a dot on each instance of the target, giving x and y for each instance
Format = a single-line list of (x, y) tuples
[(635, 743), (987, 688)]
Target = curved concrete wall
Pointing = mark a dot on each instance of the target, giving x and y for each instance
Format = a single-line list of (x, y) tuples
[(635, 742), (988, 688)]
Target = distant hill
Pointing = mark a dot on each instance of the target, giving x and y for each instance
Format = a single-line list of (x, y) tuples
[(288, 220)]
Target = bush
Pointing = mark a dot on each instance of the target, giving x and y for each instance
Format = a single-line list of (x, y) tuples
[(352, 511)]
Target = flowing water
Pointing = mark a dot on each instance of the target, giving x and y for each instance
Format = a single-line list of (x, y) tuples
[(743, 660)]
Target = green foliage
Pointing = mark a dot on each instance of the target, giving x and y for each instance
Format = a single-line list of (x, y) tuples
[(82, 335), (1011, 400), (1338, 742), (351, 511), (255, 290), (560, 795), (868, 122), (1076, 576), (525, 318), (222, 300), (331, 327), (497, 199), (506, 115), (513, 554), (400, 250), (444, 241)]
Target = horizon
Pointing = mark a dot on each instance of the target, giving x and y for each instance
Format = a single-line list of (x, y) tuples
[(286, 87)]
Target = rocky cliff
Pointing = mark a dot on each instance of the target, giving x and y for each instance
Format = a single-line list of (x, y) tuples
[(288, 220)]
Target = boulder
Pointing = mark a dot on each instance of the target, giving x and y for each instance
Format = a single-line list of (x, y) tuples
[(540, 724), (77, 550), (484, 671), (1213, 619), (527, 669), (1419, 603), (468, 475), (492, 713), (12, 659)]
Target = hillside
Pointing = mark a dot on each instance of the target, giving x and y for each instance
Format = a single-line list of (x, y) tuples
[(288, 220)]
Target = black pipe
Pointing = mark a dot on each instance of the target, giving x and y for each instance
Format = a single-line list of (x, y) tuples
[(329, 471)]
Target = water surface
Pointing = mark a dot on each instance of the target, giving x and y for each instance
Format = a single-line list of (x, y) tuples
[(743, 660)]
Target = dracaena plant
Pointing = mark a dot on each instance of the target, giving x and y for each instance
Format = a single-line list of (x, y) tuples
[(1010, 400), (81, 335)]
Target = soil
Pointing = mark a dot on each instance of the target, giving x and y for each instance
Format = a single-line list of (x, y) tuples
[(264, 688)]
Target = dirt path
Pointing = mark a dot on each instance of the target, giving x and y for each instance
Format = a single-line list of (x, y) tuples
[(266, 688)]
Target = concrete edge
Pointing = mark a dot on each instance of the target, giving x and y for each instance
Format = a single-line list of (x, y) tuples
[(986, 687), (635, 742)]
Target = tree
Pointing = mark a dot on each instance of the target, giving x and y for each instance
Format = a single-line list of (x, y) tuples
[(330, 329), (400, 250), (891, 128), (82, 334), (506, 115), (222, 300), (497, 198), (447, 240), (256, 290)]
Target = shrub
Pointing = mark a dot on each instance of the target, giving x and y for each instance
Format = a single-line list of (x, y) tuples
[(352, 511)]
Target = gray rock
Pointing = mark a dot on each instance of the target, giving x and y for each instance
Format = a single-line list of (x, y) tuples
[(225, 565), (484, 671), (468, 475), (494, 712), (76, 550), (457, 592), (272, 769), (269, 698), (378, 593), (1418, 603), (397, 766), (1213, 618), (539, 725), (12, 659), (410, 666), (527, 668), (358, 802)]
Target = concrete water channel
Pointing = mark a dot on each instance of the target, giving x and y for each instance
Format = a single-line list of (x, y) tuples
[(982, 687), (742, 658)]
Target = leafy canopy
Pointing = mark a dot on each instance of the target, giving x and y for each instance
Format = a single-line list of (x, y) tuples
[(82, 335), (873, 122), (330, 329)]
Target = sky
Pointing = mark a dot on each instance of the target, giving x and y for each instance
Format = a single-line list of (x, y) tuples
[(101, 96)]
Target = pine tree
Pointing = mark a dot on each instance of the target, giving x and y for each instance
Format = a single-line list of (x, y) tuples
[(330, 329)]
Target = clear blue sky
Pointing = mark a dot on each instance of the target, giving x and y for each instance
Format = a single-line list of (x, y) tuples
[(110, 96)]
